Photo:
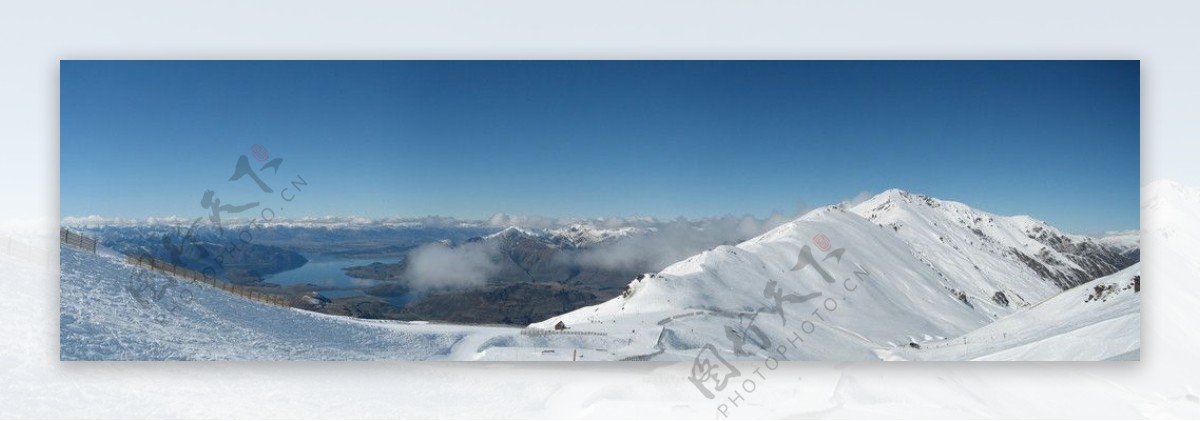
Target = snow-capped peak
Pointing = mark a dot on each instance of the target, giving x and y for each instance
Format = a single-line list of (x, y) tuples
[(580, 235), (570, 236), (512, 232), (942, 231)]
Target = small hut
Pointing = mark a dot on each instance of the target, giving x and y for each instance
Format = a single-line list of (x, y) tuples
[(560, 325)]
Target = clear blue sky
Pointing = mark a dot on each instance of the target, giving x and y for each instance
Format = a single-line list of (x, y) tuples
[(1056, 140)]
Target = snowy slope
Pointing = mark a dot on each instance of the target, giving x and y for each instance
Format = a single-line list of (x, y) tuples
[(108, 312), (908, 271), (689, 304), (974, 244), (1098, 320)]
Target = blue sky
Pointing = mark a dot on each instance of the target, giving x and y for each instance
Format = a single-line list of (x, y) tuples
[(1056, 140)]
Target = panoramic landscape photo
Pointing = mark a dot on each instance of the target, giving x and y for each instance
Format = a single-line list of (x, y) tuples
[(701, 211)]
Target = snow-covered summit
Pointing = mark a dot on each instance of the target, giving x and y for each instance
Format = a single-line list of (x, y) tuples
[(570, 236), (946, 232)]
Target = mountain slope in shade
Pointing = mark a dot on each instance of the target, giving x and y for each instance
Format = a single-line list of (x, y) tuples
[(849, 282)]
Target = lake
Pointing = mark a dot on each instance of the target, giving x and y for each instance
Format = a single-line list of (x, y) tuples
[(328, 274)]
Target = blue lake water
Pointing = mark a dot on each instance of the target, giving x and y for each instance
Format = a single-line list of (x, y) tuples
[(328, 274)]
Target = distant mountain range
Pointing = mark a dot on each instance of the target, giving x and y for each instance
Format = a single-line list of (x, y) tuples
[(900, 276)]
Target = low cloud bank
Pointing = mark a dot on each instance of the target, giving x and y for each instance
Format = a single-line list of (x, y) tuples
[(656, 245), (437, 266)]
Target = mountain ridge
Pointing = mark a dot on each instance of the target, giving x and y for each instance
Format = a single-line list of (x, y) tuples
[(920, 267)]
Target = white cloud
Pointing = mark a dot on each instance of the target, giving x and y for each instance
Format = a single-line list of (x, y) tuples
[(435, 266), (859, 198)]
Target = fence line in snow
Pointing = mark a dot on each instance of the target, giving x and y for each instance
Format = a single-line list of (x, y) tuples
[(81, 242), (170, 269), (543, 332), (84, 243)]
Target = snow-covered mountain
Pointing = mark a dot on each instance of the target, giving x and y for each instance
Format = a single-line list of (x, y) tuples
[(583, 235), (1098, 320), (513, 233), (950, 235), (852, 281)]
